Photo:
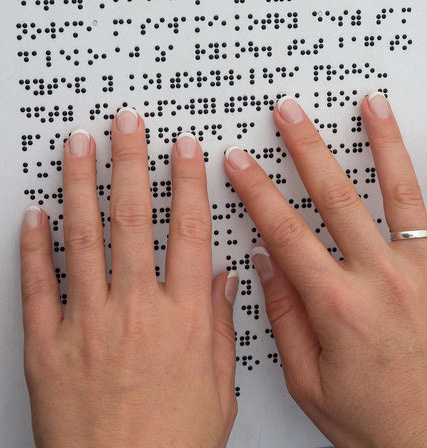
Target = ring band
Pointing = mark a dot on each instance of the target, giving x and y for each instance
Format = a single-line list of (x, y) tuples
[(408, 235)]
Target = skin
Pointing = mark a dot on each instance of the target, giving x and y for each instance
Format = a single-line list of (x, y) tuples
[(352, 335), (137, 362)]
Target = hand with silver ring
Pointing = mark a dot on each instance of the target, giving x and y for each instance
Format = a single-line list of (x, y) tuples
[(352, 335)]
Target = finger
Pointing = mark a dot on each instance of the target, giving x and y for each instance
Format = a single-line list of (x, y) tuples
[(189, 257), (224, 290), (403, 202), (299, 253), (130, 206), (295, 337), (335, 196), (41, 305), (83, 232)]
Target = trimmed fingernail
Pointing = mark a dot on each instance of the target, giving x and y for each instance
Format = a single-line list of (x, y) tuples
[(289, 109), (232, 286), (186, 145), (262, 262), (127, 120), (33, 217), (379, 105), (239, 159), (79, 143)]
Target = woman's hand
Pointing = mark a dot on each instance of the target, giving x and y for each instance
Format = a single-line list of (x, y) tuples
[(135, 363), (352, 335)]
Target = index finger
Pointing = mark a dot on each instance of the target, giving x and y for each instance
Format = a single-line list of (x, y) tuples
[(296, 249)]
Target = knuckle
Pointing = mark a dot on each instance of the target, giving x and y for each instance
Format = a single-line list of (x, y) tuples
[(83, 238), (295, 386), (225, 329), (38, 364), (308, 141), (395, 281), (38, 288), (191, 178), (285, 229), (79, 176), (193, 227), (131, 215), (387, 141), (132, 153), (32, 246), (338, 196), (278, 309), (256, 189), (407, 192)]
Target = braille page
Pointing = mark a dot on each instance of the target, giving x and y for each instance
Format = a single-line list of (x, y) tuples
[(215, 69)]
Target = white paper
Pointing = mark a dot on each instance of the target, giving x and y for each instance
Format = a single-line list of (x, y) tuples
[(268, 417)]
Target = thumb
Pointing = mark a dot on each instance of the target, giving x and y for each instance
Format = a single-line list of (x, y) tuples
[(224, 291)]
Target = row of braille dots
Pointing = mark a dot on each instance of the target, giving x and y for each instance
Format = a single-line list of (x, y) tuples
[(330, 72), (42, 88), (48, 56), (357, 147), (331, 99), (215, 52), (266, 74), (234, 209), (331, 126), (400, 40), (173, 25), (210, 23), (305, 52), (53, 30), (216, 79), (200, 106), (383, 15), (57, 164), (230, 106), (251, 311), (269, 153), (27, 140), (93, 56), (272, 19), (67, 115), (244, 262), (48, 3), (370, 179), (247, 361), (42, 196), (355, 19), (246, 339)]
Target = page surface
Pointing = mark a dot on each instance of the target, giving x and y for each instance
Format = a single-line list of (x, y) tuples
[(215, 69)]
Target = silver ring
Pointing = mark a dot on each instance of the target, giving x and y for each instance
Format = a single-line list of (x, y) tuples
[(408, 235)]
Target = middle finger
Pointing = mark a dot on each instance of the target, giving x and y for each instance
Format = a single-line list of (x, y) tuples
[(130, 206), (335, 196)]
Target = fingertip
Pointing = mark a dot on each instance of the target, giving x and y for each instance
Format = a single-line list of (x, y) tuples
[(127, 121), (33, 217), (79, 144), (225, 286), (231, 287)]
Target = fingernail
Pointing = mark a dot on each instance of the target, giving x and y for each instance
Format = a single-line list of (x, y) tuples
[(232, 286), (79, 143), (263, 264), (127, 120), (186, 145), (289, 109), (379, 105), (239, 159), (33, 217)]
